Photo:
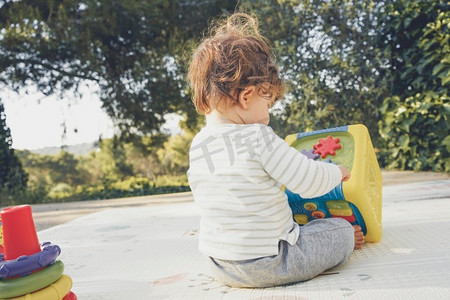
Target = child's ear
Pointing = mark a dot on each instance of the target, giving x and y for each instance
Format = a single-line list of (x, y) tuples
[(244, 96)]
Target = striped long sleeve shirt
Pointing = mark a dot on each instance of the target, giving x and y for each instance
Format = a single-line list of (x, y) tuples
[(236, 172)]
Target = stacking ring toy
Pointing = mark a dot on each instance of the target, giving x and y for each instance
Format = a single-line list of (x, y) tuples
[(33, 282), (26, 264), (55, 291), (70, 296)]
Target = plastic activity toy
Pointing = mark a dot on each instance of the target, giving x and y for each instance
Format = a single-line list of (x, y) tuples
[(29, 270), (357, 200)]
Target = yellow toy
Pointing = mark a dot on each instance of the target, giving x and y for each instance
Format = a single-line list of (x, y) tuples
[(357, 200), (55, 291)]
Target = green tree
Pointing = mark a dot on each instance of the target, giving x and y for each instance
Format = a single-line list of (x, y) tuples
[(49, 170), (65, 168), (12, 176), (129, 48), (346, 59), (415, 123), (174, 155), (142, 153), (329, 59), (115, 165)]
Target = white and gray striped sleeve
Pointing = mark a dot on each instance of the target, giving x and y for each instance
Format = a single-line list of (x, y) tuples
[(301, 175)]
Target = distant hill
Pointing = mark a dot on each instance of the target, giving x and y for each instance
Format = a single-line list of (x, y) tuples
[(79, 149)]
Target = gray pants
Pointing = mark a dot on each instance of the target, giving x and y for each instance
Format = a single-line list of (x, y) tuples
[(322, 244)]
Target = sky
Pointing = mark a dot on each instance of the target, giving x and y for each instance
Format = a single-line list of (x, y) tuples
[(36, 121)]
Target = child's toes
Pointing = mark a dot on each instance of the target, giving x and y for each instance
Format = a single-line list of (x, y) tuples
[(357, 228)]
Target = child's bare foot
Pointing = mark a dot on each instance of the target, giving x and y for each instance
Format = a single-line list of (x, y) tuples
[(359, 237)]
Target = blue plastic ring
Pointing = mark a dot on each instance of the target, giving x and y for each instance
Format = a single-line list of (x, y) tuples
[(26, 264)]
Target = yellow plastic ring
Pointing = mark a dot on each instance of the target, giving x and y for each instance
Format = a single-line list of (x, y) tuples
[(55, 291)]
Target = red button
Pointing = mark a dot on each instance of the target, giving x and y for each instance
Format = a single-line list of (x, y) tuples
[(351, 219)]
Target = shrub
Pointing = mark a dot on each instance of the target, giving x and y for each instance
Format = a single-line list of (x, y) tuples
[(416, 132)]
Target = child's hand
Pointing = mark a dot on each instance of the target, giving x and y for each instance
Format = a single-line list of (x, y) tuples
[(345, 173)]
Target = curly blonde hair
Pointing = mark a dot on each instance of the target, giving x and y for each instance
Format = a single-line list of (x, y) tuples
[(233, 57)]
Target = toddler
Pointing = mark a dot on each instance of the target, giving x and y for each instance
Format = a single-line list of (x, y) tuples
[(238, 166)]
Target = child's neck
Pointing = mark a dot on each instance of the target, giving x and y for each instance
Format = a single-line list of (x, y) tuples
[(228, 117)]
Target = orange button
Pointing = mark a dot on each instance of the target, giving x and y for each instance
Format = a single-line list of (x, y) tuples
[(318, 214)]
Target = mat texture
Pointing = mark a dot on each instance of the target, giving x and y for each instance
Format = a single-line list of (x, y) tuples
[(151, 253)]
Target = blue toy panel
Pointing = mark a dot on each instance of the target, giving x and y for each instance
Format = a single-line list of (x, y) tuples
[(329, 130), (332, 204)]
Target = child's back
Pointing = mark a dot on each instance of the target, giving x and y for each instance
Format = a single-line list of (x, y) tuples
[(238, 165)]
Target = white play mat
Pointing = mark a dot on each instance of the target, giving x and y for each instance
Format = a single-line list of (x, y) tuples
[(151, 253)]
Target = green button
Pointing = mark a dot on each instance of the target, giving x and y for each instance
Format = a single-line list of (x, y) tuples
[(311, 206), (301, 219), (341, 212), (337, 204)]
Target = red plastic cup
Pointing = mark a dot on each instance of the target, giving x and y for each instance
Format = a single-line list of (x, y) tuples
[(19, 233), (1, 236)]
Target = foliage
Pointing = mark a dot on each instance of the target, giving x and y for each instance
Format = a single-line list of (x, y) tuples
[(329, 60), (142, 153), (52, 169), (416, 131), (415, 124), (117, 169), (113, 159), (131, 50), (174, 154), (382, 63), (30, 195), (133, 186), (345, 59), (13, 179), (128, 48)]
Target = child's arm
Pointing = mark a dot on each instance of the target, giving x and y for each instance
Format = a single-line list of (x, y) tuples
[(306, 177)]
